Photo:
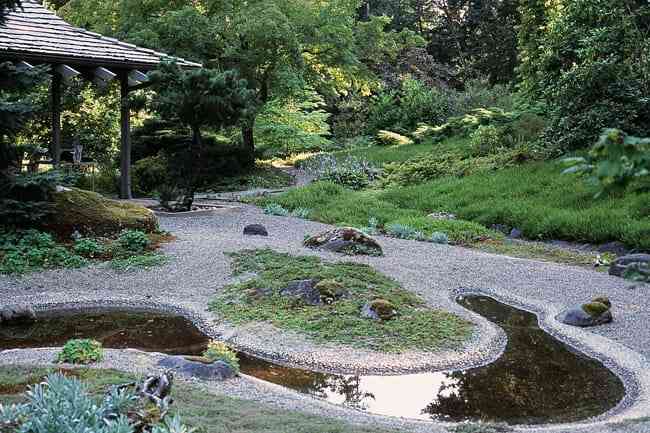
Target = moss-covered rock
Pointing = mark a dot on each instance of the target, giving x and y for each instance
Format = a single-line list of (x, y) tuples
[(595, 309), (603, 300), (379, 309), (330, 290), (90, 213), (346, 240)]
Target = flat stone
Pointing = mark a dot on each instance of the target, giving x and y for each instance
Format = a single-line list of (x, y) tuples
[(368, 313), (621, 264), (342, 239), (217, 370), (17, 315), (255, 230), (615, 247)]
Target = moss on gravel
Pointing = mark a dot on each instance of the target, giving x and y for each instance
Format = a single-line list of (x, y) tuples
[(417, 326), (205, 412)]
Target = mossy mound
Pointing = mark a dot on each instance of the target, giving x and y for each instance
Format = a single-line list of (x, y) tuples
[(90, 213), (603, 300), (595, 309), (330, 290), (384, 309)]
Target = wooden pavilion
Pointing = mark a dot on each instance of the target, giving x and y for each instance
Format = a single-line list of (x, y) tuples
[(34, 35)]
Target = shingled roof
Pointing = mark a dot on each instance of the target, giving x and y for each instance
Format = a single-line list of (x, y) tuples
[(34, 33)]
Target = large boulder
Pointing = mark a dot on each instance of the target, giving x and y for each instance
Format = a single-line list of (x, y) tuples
[(346, 240), (200, 368), (596, 312), (622, 264), (255, 230), (91, 214)]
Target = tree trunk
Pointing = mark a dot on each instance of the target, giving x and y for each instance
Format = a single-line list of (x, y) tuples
[(195, 144), (248, 139)]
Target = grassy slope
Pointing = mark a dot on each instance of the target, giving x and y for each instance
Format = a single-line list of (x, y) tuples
[(199, 409), (416, 327), (533, 197)]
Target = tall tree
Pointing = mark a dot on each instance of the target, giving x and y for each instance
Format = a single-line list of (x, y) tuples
[(199, 98)]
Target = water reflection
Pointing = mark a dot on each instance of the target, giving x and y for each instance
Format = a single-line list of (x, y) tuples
[(537, 380)]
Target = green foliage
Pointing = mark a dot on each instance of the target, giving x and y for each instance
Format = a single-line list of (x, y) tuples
[(31, 250), (426, 328), (218, 351), (590, 68), (61, 403), (83, 351), (439, 238), (133, 241), (297, 123), (465, 125), (275, 209), (404, 232), (24, 198), (351, 172), (141, 261), (389, 138), (148, 174), (486, 140), (88, 248), (614, 162)]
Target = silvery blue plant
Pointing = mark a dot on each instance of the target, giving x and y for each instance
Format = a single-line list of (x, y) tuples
[(355, 173), (275, 209), (403, 231), (439, 238)]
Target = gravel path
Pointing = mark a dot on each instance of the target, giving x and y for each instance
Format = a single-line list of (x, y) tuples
[(436, 272)]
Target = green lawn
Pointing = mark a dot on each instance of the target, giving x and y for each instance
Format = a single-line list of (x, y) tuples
[(533, 197), (415, 327), (198, 409)]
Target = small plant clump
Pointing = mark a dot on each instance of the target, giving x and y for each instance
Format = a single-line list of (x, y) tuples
[(275, 209), (82, 351), (402, 231), (89, 248), (439, 238), (218, 351), (134, 241)]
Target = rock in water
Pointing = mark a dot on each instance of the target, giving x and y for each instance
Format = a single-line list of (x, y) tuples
[(345, 240), (621, 264), (217, 370), (255, 230), (596, 312), (305, 290)]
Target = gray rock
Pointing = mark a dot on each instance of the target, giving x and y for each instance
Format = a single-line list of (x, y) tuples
[(255, 230), (217, 370), (304, 290), (621, 264), (442, 216), (576, 316), (515, 233), (17, 315), (368, 313), (337, 245), (615, 247)]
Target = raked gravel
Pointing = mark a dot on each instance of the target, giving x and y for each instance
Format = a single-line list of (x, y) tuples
[(436, 272)]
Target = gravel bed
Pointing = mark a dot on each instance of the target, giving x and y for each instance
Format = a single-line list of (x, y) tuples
[(438, 273)]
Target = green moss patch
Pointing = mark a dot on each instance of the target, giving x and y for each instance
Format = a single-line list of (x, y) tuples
[(90, 213), (416, 326)]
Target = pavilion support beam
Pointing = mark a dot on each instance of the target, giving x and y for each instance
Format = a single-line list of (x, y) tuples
[(55, 93), (125, 148)]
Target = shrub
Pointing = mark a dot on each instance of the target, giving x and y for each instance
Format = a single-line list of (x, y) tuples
[(466, 124), (300, 212), (486, 140), (615, 161), (84, 351), (25, 199), (404, 232), (351, 172), (275, 209), (133, 241), (439, 238), (62, 404), (168, 196), (389, 138), (88, 248), (218, 351), (149, 173)]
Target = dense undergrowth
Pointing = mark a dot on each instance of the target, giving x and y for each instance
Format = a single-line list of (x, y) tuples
[(258, 300)]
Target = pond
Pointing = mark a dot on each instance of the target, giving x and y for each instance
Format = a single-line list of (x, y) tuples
[(537, 380)]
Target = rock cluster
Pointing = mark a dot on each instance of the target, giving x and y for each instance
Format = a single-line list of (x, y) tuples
[(198, 367), (622, 264), (345, 240), (314, 292)]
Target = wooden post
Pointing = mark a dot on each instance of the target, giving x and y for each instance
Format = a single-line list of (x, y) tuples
[(55, 92), (125, 148)]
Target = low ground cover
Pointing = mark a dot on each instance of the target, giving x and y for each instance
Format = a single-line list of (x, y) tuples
[(28, 251), (259, 300), (197, 408)]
